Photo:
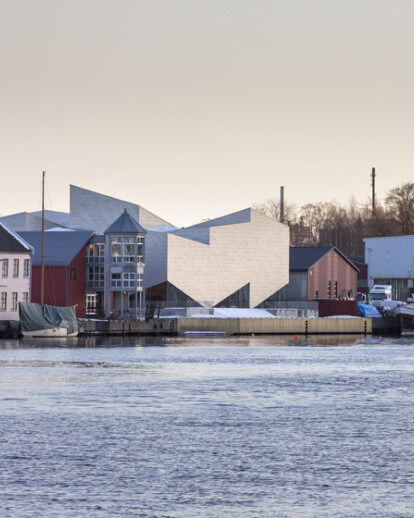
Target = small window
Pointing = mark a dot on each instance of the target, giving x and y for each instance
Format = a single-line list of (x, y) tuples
[(316, 294), (335, 289), (15, 267), (26, 268), (25, 296), (3, 302), (14, 301), (5, 268), (329, 289), (73, 274)]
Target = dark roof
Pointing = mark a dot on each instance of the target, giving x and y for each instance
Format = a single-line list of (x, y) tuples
[(304, 257), (10, 241), (357, 259), (125, 224), (61, 247)]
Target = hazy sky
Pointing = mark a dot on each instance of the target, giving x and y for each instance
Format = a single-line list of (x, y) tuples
[(196, 109)]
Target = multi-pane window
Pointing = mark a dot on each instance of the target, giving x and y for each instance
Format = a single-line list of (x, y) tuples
[(26, 265), (335, 289), (14, 301), (15, 267), (95, 253), (116, 248), (127, 249), (96, 274), (140, 250), (25, 296), (3, 301), (329, 289), (73, 274), (5, 267), (116, 281)]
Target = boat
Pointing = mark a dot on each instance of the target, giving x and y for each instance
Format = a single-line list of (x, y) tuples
[(44, 321)]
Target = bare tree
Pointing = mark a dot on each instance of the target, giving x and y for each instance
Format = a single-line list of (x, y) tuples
[(400, 205)]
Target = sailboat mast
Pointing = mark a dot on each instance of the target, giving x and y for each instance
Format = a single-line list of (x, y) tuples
[(42, 274)]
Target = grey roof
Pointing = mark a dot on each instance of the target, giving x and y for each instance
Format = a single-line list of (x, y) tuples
[(62, 219), (24, 221), (125, 224), (60, 247), (304, 257), (10, 241)]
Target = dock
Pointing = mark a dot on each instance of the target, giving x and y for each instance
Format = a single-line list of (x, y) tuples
[(246, 326)]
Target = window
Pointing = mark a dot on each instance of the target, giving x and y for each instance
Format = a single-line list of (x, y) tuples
[(95, 252), (140, 252), (14, 301), (3, 302), (73, 274), (15, 267), (335, 289), (25, 296), (129, 249), (26, 265), (316, 294), (116, 248), (116, 281), (5, 267), (329, 289)]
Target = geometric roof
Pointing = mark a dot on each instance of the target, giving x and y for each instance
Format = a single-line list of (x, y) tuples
[(301, 258), (60, 248), (125, 224), (10, 241)]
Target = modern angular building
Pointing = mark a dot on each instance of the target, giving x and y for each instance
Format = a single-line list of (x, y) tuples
[(237, 260)]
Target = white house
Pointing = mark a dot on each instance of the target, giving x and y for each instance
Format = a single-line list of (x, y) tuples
[(15, 272)]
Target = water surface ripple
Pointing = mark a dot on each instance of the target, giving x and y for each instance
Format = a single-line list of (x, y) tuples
[(207, 427)]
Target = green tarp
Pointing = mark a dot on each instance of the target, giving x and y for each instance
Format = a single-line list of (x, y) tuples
[(34, 317)]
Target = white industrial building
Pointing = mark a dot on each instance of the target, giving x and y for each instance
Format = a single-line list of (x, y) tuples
[(390, 260)]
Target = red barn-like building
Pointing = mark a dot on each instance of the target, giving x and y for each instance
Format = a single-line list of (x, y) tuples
[(65, 267)]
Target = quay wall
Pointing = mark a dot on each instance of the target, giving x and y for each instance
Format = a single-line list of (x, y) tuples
[(276, 325)]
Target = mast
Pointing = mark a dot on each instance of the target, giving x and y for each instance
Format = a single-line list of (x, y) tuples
[(42, 274)]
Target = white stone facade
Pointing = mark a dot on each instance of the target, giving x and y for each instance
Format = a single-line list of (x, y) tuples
[(211, 261)]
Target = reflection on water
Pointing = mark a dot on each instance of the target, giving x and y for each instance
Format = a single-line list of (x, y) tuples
[(200, 340), (207, 426)]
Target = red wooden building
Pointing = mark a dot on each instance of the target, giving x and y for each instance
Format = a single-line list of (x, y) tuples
[(321, 273), (65, 267)]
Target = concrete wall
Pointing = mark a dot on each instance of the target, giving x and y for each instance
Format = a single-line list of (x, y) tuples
[(297, 288)]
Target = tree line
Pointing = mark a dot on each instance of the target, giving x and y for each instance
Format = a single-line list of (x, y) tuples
[(331, 224)]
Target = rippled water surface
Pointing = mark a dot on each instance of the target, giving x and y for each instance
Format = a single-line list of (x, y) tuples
[(207, 427)]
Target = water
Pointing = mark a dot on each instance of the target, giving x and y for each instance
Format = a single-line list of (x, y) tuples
[(207, 427)]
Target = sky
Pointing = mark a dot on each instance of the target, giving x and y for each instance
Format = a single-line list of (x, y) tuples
[(196, 109)]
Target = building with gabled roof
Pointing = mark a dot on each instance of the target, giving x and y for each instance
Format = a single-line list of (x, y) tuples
[(65, 267), (320, 273), (15, 272)]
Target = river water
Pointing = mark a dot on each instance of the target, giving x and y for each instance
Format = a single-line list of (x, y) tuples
[(207, 427)]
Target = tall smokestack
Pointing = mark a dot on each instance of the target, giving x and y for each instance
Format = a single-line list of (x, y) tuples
[(282, 204), (373, 190)]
